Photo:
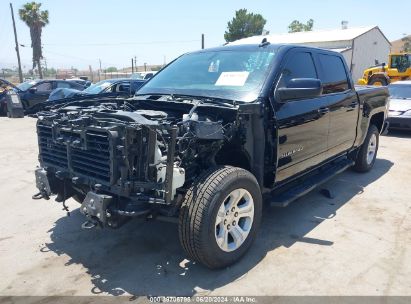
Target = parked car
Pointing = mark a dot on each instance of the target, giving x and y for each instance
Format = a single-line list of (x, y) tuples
[(36, 91), (399, 115), (83, 82), (110, 88), (143, 75), (5, 86), (210, 137)]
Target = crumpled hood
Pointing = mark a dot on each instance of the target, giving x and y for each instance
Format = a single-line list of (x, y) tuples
[(400, 105)]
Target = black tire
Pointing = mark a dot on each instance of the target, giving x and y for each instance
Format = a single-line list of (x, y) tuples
[(361, 162), (381, 80), (197, 221)]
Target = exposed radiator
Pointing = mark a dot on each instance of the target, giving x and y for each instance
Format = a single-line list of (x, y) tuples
[(90, 158)]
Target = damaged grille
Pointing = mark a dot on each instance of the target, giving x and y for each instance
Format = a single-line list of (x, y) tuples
[(95, 161), (51, 153), (83, 154)]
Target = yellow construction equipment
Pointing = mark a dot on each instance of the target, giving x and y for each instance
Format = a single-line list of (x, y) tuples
[(398, 68)]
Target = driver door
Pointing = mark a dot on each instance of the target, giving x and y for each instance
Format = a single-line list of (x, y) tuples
[(40, 93), (302, 125)]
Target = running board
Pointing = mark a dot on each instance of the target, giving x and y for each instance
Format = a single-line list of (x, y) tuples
[(309, 183)]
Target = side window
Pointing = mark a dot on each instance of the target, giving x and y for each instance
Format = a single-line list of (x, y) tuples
[(44, 87), (63, 85), (335, 78), (109, 89), (299, 65), (123, 87)]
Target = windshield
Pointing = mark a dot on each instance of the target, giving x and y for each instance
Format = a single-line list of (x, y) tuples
[(26, 85), (400, 91), (98, 87), (401, 62), (235, 75)]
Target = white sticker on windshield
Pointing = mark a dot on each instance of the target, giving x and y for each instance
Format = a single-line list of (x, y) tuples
[(237, 79)]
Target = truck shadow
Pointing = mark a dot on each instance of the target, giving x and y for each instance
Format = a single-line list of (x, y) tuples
[(145, 257)]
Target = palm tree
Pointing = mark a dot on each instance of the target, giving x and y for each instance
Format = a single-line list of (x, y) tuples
[(35, 19)]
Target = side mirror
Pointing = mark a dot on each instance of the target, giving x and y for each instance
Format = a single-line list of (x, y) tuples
[(33, 90), (299, 88)]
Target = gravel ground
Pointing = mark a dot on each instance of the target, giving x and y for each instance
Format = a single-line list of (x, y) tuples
[(358, 243)]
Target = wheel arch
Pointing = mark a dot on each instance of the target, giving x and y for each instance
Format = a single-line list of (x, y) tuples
[(233, 156), (378, 120)]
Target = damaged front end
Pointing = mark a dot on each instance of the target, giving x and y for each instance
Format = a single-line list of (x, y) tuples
[(120, 162)]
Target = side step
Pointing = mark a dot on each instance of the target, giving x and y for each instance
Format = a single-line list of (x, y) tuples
[(308, 183)]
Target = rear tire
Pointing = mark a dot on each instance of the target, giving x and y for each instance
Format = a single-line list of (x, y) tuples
[(368, 151), (220, 216), (378, 81)]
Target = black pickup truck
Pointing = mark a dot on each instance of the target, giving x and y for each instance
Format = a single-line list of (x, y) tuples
[(210, 138)]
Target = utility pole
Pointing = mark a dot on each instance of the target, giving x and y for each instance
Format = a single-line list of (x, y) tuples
[(202, 41), (91, 73), (17, 44), (45, 64), (99, 71), (135, 63), (132, 65), (145, 66)]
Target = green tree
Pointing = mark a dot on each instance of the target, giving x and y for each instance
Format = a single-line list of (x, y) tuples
[(406, 47), (111, 69), (35, 19), (244, 25), (297, 26)]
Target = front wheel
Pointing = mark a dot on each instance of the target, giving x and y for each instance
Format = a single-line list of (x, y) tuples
[(368, 151), (220, 216)]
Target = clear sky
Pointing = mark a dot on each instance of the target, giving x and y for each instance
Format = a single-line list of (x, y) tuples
[(82, 32)]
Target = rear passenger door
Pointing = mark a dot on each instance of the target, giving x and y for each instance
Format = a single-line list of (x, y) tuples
[(302, 125), (342, 102)]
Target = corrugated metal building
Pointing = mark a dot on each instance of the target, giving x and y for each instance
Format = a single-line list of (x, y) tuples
[(361, 46)]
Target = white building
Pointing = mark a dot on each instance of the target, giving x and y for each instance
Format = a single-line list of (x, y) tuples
[(362, 47)]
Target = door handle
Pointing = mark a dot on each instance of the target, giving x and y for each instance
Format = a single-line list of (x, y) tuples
[(324, 110)]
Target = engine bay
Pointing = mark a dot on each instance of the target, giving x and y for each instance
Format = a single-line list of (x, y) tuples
[(133, 152)]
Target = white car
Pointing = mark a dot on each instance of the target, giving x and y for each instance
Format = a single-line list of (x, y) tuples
[(143, 75), (399, 115)]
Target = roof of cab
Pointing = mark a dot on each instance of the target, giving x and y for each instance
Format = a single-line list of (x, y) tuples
[(267, 46)]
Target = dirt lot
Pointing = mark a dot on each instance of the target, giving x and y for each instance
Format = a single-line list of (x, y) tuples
[(358, 243)]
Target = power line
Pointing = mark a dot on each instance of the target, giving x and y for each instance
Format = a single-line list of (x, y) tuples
[(74, 57), (121, 43)]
